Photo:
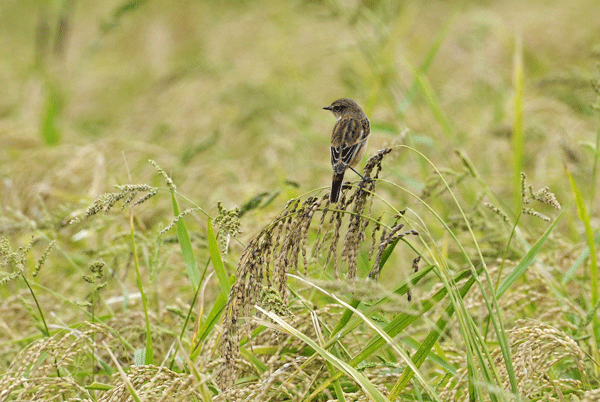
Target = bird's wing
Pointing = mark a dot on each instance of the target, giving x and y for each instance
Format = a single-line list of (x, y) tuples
[(348, 139)]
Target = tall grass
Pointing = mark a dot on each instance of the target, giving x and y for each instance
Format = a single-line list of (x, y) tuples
[(423, 283)]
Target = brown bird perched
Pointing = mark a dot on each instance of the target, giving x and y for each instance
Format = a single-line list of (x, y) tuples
[(348, 141)]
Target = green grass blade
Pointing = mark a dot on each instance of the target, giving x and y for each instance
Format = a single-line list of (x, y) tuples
[(345, 318), (48, 129), (393, 328), (99, 386), (434, 105), (433, 357), (337, 385), (578, 262), (215, 257), (255, 362), (149, 351), (589, 235), (139, 357), (386, 254), (433, 50), (211, 319), (354, 303), (44, 329), (400, 290), (344, 367), (527, 260), (596, 150), (518, 139), (425, 348), (186, 246)]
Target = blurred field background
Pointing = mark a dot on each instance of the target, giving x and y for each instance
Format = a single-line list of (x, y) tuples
[(227, 97)]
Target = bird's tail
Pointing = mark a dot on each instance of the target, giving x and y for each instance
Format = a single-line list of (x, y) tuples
[(336, 187)]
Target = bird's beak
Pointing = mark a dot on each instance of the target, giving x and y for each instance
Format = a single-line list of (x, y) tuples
[(328, 108)]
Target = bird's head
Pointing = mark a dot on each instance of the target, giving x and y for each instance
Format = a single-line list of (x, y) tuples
[(343, 107)]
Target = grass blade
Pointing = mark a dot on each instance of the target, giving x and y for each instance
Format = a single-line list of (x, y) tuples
[(149, 351), (578, 262), (211, 320), (186, 246), (425, 348), (346, 368), (354, 303), (527, 260), (215, 257), (585, 219), (48, 129), (518, 140), (434, 105), (433, 50), (400, 290), (393, 328)]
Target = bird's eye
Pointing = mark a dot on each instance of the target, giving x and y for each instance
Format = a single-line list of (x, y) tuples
[(337, 108)]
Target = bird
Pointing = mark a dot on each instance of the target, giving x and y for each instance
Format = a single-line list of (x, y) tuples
[(348, 141)]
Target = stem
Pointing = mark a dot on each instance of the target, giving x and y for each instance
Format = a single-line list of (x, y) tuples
[(46, 331)]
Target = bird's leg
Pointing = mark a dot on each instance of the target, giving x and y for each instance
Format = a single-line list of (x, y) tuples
[(365, 179), (361, 176)]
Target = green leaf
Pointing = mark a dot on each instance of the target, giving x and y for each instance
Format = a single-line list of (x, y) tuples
[(518, 138), (369, 389), (48, 130), (212, 319), (257, 363), (578, 262), (433, 50), (215, 257), (393, 328), (589, 235), (434, 358), (527, 260), (186, 247), (425, 348), (98, 386)]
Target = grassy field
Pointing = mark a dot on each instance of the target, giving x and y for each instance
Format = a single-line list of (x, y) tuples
[(164, 224)]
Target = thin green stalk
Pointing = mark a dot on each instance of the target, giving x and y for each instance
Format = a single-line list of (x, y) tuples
[(149, 351), (337, 386), (518, 140), (186, 246), (595, 168), (589, 234), (507, 248), (463, 316), (423, 351), (434, 105), (527, 260), (433, 50), (184, 327), (215, 256), (46, 331), (393, 328), (211, 320), (368, 388)]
